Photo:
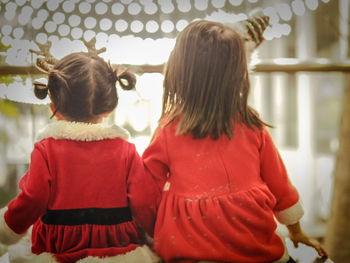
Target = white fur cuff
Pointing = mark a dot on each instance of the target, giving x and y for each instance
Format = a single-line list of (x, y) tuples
[(290, 215), (7, 235)]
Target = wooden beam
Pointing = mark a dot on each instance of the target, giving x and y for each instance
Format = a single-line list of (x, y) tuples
[(287, 65)]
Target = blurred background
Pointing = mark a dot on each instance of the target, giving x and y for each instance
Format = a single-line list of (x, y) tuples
[(299, 83)]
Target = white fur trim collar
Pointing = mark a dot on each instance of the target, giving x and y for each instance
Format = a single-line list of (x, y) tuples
[(81, 131)]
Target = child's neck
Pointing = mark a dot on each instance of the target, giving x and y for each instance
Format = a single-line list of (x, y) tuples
[(94, 121), (98, 120)]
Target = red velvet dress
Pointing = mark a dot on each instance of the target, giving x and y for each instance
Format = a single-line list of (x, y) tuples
[(84, 192), (220, 198)]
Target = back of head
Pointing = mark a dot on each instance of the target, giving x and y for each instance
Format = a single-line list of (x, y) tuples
[(82, 86), (206, 81)]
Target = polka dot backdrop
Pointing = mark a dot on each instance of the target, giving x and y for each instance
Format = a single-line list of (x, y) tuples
[(26, 19), (126, 28)]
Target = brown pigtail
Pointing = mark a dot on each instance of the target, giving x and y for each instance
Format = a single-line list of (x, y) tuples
[(127, 76), (40, 88), (59, 88)]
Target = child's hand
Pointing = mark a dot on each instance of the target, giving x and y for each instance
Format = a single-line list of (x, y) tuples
[(305, 239), (296, 234)]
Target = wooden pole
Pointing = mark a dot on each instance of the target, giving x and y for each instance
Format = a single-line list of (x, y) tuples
[(337, 239)]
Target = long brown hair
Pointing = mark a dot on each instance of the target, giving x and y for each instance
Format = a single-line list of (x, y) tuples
[(206, 82), (82, 86)]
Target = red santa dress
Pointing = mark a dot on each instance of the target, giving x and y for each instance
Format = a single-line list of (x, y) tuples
[(85, 193), (220, 197)]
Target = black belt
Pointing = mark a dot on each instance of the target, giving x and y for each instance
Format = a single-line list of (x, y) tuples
[(82, 216)]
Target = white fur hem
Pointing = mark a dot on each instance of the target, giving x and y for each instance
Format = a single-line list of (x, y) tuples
[(141, 254), (81, 131), (21, 253), (290, 215), (7, 235)]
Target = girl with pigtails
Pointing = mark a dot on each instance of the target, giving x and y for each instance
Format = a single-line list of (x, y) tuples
[(85, 193)]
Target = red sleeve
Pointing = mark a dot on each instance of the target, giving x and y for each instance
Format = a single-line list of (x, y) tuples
[(31, 203), (155, 158), (143, 193), (275, 175)]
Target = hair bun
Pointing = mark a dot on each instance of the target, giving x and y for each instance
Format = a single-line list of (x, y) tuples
[(128, 77), (40, 88)]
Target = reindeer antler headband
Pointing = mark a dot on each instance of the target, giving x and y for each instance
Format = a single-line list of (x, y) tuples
[(252, 29), (91, 46), (46, 62)]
